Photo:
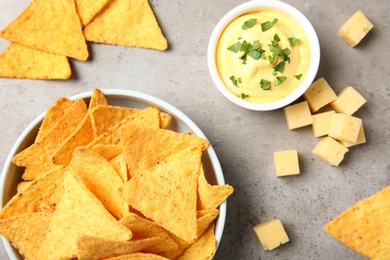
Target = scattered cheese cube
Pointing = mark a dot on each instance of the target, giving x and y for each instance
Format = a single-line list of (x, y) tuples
[(271, 234), (361, 139), (355, 29), (319, 94), (348, 101), (286, 162), (321, 123), (330, 151), (344, 127), (298, 115)]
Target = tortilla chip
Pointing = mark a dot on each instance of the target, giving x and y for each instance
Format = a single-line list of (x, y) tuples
[(138, 256), (108, 151), (127, 23), (205, 217), (97, 98), (101, 179), (120, 166), (26, 232), (53, 27), (87, 9), (165, 119), (204, 248), (211, 196), (94, 248), (146, 147), (78, 211), (143, 228), (19, 61), (163, 185), (365, 226), (32, 196)]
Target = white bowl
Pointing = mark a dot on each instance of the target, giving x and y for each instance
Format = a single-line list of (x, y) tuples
[(248, 7), (11, 174)]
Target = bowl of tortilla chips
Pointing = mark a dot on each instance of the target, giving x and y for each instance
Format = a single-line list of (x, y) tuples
[(112, 173)]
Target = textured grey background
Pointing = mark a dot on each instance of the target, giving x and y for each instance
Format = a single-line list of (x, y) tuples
[(244, 140)]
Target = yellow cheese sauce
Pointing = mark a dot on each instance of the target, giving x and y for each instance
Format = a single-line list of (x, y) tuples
[(249, 75)]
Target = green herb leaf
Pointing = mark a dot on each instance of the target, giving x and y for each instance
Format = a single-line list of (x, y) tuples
[(256, 45), (268, 25), (280, 67), (265, 84), (279, 80), (236, 47), (293, 41), (239, 80), (234, 80), (244, 96), (298, 77), (249, 24)]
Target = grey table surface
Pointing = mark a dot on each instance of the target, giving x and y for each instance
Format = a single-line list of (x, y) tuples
[(243, 140)]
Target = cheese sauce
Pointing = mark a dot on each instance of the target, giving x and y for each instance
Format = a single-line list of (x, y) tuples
[(249, 75)]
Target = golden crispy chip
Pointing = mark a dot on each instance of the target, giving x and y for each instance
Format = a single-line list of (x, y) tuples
[(108, 151), (94, 248), (211, 196), (146, 147), (143, 228), (138, 256), (22, 186), (101, 179), (87, 9), (120, 166), (82, 136), (204, 248), (78, 211), (53, 27), (97, 98), (205, 217), (39, 155), (148, 117), (163, 185), (19, 61), (364, 226), (127, 23), (165, 119), (26, 232), (32, 196), (52, 115)]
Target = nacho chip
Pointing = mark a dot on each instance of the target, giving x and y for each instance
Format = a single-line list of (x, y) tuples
[(138, 256), (19, 61), (53, 27), (26, 232), (365, 226), (108, 151), (97, 98), (120, 166), (211, 196), (205, 217), (163, 185), (78, 211), (87, 9), (101, 179), (165, 119), (127, 23)]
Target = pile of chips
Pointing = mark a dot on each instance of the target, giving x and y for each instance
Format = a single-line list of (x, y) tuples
[(111, 182), (47, 33)]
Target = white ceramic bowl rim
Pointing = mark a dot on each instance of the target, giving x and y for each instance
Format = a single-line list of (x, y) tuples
[(176, 113), (300, 19)]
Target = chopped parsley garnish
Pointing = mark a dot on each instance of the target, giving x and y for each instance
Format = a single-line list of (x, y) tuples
[(268, 25), (293, 41), (254, 50), (249, 24), (279, 80), (235, 81), (265, 84), (244, 96), (235, 47), (280, 67), (298, 77)]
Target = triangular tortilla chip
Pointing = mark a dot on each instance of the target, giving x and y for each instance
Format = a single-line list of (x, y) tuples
[(19, 61), (120, 166), (205, 217), (78, 212), (163, 185), (128, 23), (87, 9), (97, 98), (51, 26), (365, 226), (26, 232)]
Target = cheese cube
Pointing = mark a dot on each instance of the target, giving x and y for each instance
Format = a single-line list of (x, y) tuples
[(330, 151), (361, 139), (348, 101), (271, 234), (286, 162), (355, 29), (344, 127), (319, 94), (321, 123), (298, 115)]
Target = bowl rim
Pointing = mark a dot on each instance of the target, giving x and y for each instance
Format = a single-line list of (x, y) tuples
[(300, 18), (148, 99)]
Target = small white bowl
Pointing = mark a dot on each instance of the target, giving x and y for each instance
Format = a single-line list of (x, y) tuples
[(11, 174), (248, 7)]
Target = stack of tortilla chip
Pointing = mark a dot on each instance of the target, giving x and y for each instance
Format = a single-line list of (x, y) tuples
[(47, 33)]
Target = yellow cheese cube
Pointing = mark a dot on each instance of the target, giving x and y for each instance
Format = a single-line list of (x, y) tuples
[(344, 127), (348, 101), (286, 162), (321, 123), (361, 139), (330, 151), (271, 234), (298, 115), (355, 29), (319, 94)]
